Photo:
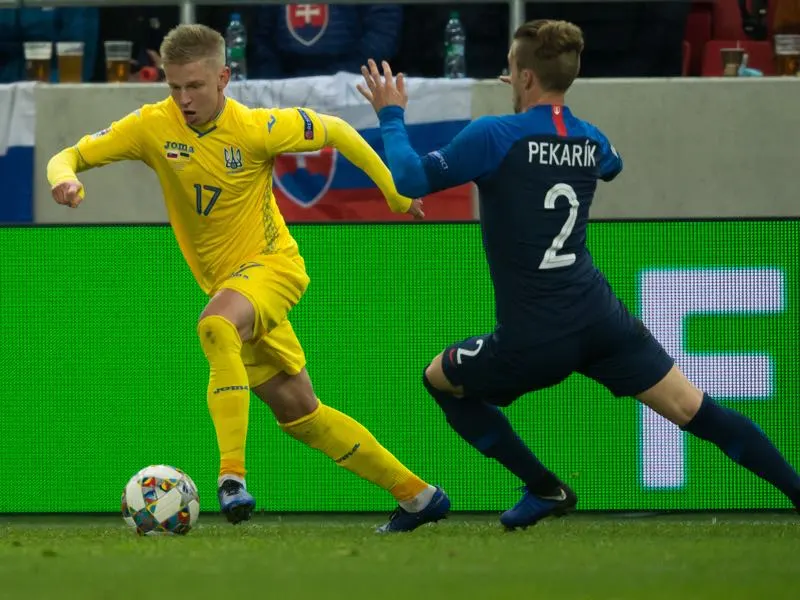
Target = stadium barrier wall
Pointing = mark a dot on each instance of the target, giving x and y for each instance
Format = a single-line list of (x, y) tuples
[(692, 147), (102, 373), (129, 192)]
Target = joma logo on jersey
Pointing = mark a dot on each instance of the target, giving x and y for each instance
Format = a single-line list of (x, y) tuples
[(233, 159), (178, 147)]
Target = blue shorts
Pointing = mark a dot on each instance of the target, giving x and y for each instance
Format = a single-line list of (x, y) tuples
[(617, 351)]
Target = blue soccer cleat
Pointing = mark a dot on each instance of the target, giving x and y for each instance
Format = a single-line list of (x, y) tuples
[(235, 502), (531, 508), (401, 520)]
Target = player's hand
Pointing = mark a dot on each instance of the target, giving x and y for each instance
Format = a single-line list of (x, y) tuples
[(68, 193), (155, 58), (505, 78), (415, 210), (382, 91)]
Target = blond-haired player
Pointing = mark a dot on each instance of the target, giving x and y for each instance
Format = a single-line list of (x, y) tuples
[(214, 159)]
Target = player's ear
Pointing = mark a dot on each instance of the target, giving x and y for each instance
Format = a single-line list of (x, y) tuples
[(224, 77), (529, 79)]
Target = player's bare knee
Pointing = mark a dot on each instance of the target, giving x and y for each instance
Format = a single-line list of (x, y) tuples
[(234, 308), (674, 397), (434, 374)]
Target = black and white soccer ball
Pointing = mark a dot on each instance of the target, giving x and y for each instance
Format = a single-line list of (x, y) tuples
[(160, 500)]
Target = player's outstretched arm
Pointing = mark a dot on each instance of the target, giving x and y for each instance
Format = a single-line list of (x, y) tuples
[(343, 137), (465, 159), (119, 142), (303, 130)]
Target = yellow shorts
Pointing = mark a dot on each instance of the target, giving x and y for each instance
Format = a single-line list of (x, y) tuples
[(273, 284)]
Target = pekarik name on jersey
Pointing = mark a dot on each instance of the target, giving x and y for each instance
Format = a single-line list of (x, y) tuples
[(563, 154)]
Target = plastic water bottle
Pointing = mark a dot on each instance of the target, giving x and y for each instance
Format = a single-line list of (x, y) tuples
[(236, 48), (455, 64)]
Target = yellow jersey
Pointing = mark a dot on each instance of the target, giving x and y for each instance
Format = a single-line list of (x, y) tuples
[(217, 181)]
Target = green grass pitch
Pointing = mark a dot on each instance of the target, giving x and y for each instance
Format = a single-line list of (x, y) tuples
[(329, 557)]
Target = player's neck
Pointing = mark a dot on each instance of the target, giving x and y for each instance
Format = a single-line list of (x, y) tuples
[(220, 107), (546, 99), (217, 113)]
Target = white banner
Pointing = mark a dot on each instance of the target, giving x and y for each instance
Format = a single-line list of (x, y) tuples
[(429, 99), (17, 116)]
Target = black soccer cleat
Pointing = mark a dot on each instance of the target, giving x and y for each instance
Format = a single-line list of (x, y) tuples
[(235, 502), (531, 508), (403, 521)]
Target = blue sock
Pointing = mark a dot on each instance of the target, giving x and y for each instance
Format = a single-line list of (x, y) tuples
[(744, 443), (487, 429)]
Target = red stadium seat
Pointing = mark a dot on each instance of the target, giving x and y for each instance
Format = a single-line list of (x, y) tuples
[(727, 21), (698, 32), (771, 6), (686, 58), (760, 56)]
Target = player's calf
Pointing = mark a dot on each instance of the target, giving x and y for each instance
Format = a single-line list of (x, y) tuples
[(675, 398), (486, 428), (228, 393), (348, 443)]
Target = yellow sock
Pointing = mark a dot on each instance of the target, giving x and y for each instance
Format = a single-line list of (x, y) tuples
[(228, 391), (351, 446)]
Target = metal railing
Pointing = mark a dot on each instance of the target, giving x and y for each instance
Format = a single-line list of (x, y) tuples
[(516, 8)]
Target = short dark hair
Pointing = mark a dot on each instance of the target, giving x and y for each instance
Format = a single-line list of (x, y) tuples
[(552, 50)]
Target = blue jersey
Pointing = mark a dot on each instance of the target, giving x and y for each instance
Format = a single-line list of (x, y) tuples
[(536, 173)]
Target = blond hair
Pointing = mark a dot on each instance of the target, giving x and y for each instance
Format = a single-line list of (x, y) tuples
[(552, 50), (191, 43)]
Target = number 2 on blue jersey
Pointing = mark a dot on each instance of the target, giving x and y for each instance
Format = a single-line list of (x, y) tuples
[(198, 190), (552, 259)]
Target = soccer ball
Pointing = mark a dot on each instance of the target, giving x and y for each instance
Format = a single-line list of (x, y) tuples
[(160, 500)]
